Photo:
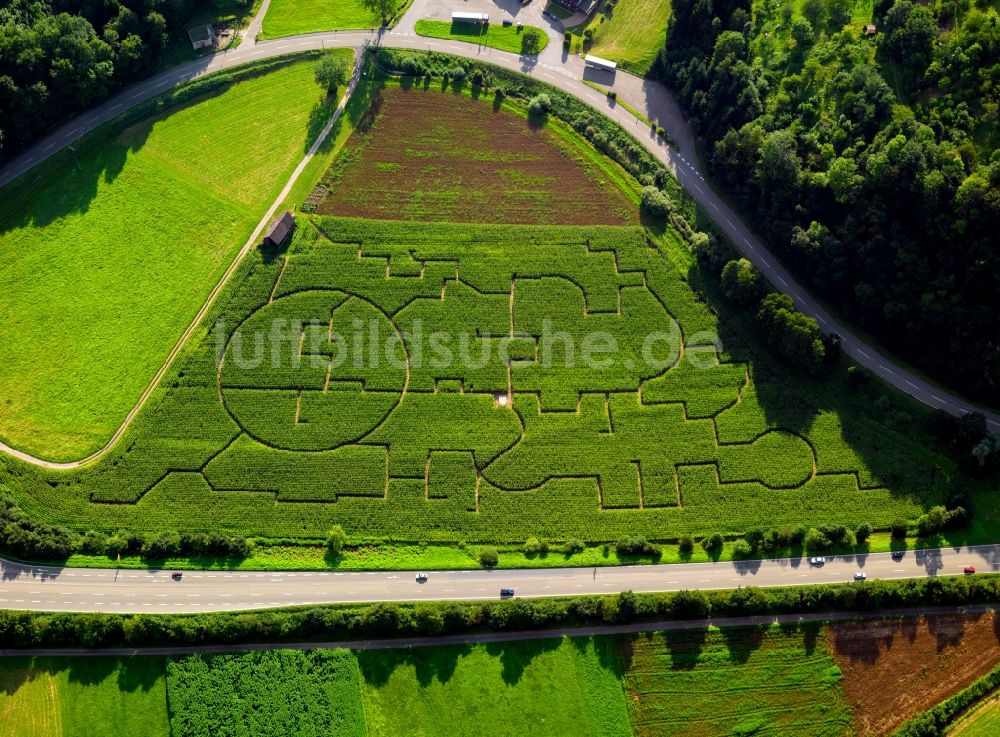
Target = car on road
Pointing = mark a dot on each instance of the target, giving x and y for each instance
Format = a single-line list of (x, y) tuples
[(176, 575), (860, 576), (969, 569), (897, 554), (421, 577), (506, 592), (817, 560)]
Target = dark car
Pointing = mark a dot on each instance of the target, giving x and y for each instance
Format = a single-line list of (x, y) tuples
[(508, 22), (176, 575), (506, 592), (969, 569), (897, 554)]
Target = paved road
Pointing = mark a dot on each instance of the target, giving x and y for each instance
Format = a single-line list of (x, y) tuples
[(42, 588), (566, 73), (764, 620)]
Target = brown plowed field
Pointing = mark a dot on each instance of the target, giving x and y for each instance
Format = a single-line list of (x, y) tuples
[(894, 669), (440, 156)]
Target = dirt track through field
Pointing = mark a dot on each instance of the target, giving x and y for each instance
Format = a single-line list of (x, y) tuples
[(894, 669), (431, 155)]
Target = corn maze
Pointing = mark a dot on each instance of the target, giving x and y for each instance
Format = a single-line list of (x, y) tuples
[(434, 384)]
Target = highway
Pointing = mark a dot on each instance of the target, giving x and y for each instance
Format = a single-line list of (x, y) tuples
[(563, 71), (42, 588)]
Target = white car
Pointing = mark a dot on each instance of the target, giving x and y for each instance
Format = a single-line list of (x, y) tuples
[(421, 577), (860, 576), (817, 560)]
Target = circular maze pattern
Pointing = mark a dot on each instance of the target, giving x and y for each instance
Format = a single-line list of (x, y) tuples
[(313, 371)]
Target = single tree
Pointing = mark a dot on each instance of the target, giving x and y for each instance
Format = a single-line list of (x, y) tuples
[(331, 71), (336, 539)]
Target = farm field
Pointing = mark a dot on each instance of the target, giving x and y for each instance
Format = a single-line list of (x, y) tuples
[(554, 687), (109, 253), (83, 697), (292, 17), (897, 668), (715, 683), (269, 693), (498, 36), (630, 32), (632, 447), (433, 155)]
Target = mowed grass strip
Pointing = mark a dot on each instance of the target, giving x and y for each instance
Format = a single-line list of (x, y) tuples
[(292, 17), (715, 683), (437, 155), (83, 697), (630, 32), (495, 35), (107, 255)]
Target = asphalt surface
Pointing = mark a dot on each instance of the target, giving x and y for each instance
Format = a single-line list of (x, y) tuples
[(42, 588), (500, 637)]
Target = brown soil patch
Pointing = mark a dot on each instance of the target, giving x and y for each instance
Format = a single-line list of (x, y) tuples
[(433, 155), (894, 669)]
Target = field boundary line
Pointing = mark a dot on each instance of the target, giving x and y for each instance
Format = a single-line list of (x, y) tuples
[(213, 295), (763, 620)]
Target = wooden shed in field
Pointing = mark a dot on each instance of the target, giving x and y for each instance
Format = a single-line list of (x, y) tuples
[(280, 231)]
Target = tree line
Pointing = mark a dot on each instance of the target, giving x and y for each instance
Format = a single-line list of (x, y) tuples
[(870, 164), (59, 57)]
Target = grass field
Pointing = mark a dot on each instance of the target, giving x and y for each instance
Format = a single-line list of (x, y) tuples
[(983, 722), (551, 687), (434, 155), (717, 683), (292, 17), (108, 254), (630, 32), (498, 36), (83, 697)]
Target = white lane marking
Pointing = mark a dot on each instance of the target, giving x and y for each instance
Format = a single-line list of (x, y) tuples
[(862, 353), (730, 223), (136, 96), (935, 396), (911, 384), (716, 207), (50, 147)]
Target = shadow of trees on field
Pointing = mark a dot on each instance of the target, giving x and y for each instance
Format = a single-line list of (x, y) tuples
[(136, 673), (69, 180)]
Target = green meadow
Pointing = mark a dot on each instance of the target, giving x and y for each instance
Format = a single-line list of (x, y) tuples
[(293, 17), (108, 252), (495, 35), (630, 32), (83, 697)]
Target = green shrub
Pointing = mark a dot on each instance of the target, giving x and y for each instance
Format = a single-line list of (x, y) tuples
[(531, 41), (572, 547), (742, 549), (540, 105), (863, 532), (685, 544), (634, 546), (656, 202), (488, 557), (336, 539), (713, 543), (899, 528)]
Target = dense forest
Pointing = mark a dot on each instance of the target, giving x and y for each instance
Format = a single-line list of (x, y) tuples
[(58, 57), (868, 159)]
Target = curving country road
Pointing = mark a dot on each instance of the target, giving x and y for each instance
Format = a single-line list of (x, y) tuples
[(44, 588), (557, 68)]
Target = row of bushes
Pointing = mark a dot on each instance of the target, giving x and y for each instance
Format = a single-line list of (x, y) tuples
[(24, 538), (935, 722), (347, 622)]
